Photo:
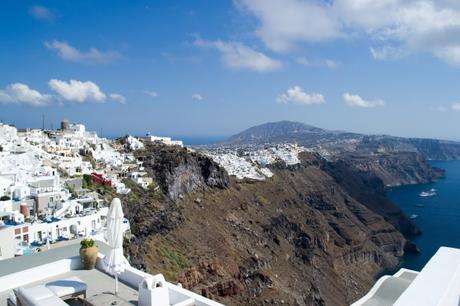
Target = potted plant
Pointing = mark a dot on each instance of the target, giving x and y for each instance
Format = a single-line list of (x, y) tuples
[(88, 253)]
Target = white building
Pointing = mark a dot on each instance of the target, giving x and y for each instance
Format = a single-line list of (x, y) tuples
[(28, 236), (134, 143), (8, 137), (5, 185), (165, 140)]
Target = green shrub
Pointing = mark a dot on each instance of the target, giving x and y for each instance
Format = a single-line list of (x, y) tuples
[(87, 243), (87, 181), (262, 200), (5, 198), (175, 261)]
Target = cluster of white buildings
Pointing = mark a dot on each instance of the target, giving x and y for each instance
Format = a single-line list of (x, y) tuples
[(165, 140), (287, 153), (252, 162), (42, 197), (240, 167)]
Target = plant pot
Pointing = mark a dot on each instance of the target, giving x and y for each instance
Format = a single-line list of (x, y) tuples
[(88, 257)]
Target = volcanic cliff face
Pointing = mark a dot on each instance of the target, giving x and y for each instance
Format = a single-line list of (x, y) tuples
[(369, 189), (179, 172), (437, 149), (394, 169), (434, 149), (300, 238)]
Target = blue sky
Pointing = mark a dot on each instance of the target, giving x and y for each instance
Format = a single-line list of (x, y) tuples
[(212, 68)]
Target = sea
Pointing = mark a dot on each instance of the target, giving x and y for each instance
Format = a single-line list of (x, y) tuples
[(438, 216)]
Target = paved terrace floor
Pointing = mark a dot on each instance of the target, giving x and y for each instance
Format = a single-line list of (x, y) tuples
[(97, 282)]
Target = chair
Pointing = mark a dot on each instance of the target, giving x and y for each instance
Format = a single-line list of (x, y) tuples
[(52, 294), (36, 296), (67, 288)]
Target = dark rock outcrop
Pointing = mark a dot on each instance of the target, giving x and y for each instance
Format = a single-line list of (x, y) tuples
[(179, 172)]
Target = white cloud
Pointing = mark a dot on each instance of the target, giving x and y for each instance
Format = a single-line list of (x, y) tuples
[(77, 91), (151, 93), (19, 93), (456, 107), (399, 27), (285, 23), (387, 52), (330, 64), (197, 97), (302, 60), (41, 13), (236, 55), (70, 53), (357, 101), (450, 55), (441, 108), (296, 95), (118, 98)]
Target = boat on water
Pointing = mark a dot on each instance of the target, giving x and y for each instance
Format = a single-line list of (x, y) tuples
[(430, 193), (414, 216)]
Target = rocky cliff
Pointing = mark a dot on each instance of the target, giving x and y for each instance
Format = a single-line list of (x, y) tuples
[(307, 236), (437, 149), (434, 149), (394, 169), (179, 172), (369, 189)]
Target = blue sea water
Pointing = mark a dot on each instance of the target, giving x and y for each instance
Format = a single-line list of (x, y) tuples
[(439, 218)]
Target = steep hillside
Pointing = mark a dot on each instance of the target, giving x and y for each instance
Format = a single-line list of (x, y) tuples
[(437, 149), (302, 237), (430, 148), (395, 169)]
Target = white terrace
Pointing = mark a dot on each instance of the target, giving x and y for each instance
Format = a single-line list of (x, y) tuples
[(60, 270)]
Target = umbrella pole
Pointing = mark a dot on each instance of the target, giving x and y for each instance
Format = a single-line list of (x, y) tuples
[(116, 284)]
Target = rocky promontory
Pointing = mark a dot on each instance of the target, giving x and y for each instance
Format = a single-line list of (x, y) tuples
[(179, 172)]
